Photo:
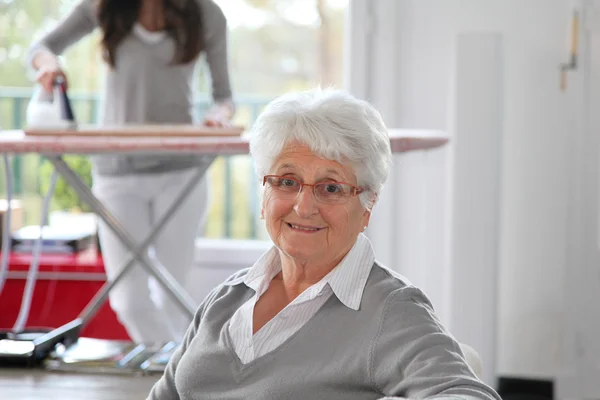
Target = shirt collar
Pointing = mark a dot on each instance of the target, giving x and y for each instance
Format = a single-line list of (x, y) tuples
[(262, 271), (347, 280)]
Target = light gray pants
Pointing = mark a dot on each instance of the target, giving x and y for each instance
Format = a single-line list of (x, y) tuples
[(144, 308)]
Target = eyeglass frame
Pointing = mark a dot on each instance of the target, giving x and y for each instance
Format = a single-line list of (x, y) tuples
[(356, 190)]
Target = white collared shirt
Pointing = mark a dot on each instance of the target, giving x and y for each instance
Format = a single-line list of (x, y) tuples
[(347, 281)]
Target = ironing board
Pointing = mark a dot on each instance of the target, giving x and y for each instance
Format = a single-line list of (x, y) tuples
[(134, 130), (178, 140)]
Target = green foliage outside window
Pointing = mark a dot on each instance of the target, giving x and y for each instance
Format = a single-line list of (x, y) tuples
[(65, 197)]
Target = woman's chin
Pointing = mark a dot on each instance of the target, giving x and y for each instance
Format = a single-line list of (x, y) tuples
[(298, 250)]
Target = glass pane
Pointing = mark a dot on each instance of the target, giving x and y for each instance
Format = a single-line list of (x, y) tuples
[(275, 46)]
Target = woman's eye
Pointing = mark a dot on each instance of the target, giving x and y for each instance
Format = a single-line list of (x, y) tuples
[(288, 182), (332, 188)]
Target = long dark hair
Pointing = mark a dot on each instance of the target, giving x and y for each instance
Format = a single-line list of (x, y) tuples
[(183, 22)]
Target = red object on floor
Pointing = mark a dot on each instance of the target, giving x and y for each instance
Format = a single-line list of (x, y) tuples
[(65, 285)]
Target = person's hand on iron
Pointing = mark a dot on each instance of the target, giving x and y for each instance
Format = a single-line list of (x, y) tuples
[(47, 74), (47, 69), (219, 115)]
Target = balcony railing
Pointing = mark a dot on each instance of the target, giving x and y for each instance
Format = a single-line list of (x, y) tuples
[(234, 188)]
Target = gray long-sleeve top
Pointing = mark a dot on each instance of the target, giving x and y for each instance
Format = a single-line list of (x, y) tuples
[(392, 347), (144, 87)]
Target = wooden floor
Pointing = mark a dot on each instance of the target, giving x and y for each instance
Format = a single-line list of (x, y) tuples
[(30, 384)]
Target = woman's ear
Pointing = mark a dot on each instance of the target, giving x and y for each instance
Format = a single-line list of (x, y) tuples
[(373, 201), (371, 204), (366, 218)]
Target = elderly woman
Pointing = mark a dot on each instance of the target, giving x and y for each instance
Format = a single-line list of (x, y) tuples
[(317, 317)]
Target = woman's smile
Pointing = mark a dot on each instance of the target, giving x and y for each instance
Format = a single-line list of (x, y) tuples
[(304, 228)]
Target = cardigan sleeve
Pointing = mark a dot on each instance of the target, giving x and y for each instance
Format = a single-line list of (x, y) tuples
[(413, 356)]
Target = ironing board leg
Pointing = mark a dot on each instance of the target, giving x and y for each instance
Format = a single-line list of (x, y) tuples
[(163, 276)]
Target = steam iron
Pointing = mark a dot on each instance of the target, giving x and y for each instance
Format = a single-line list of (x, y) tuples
[(51, 110)]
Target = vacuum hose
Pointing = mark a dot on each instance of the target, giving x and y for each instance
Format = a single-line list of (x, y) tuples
[(7, 224), (35, 261)]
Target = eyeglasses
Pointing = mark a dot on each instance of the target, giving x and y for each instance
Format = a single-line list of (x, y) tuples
[(325, 192)]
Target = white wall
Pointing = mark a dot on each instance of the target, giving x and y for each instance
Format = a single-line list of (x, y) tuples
[(216, 260), (408, 223), (581, 369), (476, 124), (410, 80)]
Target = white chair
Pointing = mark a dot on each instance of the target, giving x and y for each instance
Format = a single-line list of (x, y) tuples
[(472, 358)]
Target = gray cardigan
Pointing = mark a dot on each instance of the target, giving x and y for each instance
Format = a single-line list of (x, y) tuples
[(392, 346), (143, 87)]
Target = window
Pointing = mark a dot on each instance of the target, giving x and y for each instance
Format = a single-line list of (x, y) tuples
[(275, 46)]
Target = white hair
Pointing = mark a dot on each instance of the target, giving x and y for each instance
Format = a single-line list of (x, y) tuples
[(335, 126)]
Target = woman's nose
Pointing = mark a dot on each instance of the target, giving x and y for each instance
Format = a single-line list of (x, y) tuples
[(306, 203)]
